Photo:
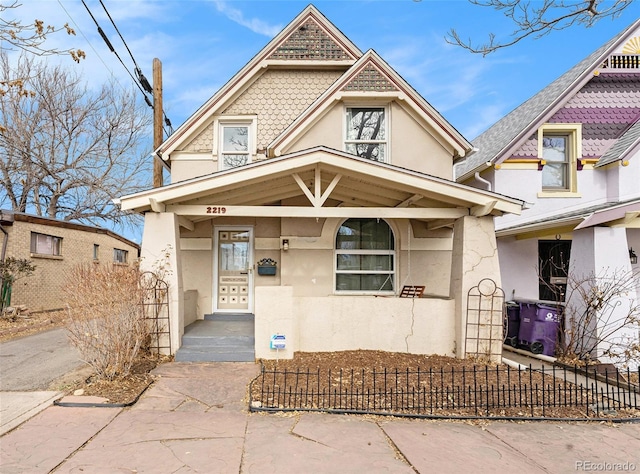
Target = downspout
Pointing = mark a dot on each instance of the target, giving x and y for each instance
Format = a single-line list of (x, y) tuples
[(482, 180)]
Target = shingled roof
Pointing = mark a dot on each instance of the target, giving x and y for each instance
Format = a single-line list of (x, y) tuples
[(506, 134)]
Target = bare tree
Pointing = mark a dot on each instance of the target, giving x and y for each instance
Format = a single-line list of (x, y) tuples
[(15, 35), (540, 18), (602, 317), (67, 151)]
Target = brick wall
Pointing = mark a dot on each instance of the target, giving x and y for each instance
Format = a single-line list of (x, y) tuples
[(43, 290)]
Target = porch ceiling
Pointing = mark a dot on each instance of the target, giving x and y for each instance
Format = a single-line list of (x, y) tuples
[(321, 183)]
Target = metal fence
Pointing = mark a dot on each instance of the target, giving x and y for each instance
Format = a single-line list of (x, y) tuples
[(490, 392)]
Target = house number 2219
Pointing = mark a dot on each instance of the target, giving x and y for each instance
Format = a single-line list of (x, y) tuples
[(216, 210)]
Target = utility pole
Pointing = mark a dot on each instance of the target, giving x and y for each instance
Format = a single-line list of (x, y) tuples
[(157, 121)]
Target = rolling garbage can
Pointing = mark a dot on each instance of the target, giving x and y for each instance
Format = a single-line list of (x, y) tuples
[(539, 328), (512, 322)]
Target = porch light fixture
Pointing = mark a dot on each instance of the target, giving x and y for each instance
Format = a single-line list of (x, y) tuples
[(633, 257), (285, 244)]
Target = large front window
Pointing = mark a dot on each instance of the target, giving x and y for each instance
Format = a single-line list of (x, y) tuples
[(366, 132), (365, 257)]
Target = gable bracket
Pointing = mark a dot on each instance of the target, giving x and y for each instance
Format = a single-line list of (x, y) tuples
[(318, 198)]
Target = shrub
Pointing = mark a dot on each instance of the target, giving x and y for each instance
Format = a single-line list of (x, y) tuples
[(106, 320)]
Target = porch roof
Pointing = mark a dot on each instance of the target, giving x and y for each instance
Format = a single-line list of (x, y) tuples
[(321, 182)]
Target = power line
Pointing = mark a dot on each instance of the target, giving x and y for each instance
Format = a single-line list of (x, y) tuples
[(141, 82)]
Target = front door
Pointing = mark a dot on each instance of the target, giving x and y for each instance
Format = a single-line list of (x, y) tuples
[(234, 279)]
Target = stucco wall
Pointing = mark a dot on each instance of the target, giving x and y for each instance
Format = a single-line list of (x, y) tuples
[(411, 146), (519, 267), (43, 290), (339, 323), (423, 257)]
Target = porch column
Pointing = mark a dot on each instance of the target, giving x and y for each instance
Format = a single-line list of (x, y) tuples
[(600, 260), (161, 249), (474, 258)]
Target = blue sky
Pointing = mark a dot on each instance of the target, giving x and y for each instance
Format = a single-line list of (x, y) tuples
[(202, 43)]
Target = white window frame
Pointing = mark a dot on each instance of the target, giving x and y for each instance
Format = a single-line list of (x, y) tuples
[(45, 244), (385, 252), (235, 121), (573, 132), (384, 143)]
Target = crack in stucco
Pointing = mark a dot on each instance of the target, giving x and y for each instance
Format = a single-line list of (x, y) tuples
[(413, 320)]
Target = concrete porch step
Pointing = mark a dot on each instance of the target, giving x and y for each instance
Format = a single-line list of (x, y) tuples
[(214, 354), (223, 337)]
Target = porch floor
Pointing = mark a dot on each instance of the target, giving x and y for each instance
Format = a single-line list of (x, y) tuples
[(219, 338)]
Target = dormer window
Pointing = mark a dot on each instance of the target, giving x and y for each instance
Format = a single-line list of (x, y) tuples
[(366, 134)]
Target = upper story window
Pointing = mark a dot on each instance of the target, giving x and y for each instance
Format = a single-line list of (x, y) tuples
[(44, 244), (96, 251), (559, 148), (120, 256), (556, 151), (235, 141), (366, 133), (365, 257)]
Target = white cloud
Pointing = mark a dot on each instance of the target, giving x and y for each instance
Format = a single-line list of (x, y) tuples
[(254, 24)]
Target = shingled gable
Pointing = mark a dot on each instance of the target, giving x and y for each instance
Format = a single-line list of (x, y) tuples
[(309, 40), (372, 75), (507, 134)]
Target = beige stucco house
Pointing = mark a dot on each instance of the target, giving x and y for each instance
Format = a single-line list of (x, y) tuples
[(323, 159), (55, 247)]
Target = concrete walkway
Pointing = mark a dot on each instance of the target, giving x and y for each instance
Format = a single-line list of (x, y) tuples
[(195, 419)]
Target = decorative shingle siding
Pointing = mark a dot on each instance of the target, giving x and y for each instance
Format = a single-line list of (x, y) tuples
[(606, 107), (203, 141), (278, 97), (309, 42)]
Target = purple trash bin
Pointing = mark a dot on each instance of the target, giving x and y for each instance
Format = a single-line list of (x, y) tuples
[(546, 330), (512, 321), (527, 320)]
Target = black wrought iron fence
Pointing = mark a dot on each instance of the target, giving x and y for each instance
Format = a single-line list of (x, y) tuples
[(493, 392)]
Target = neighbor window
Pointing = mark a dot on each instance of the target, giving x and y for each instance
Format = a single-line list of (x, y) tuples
[(235, 146), (120, 256), (559, 147), (365, 257), (44, 244), (366, 134), (556, 153), (96, 251)]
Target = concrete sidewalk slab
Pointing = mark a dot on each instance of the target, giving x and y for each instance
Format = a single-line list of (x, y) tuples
[(450, 447), (318, 443), (560, 447), (156, 441), (18, 407), (50, 437)]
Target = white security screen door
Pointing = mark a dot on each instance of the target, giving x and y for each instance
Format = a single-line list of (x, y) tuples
[(234, 282)]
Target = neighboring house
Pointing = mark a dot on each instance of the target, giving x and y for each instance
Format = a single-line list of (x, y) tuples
[(572, 152), (55, 247), (322, 158)]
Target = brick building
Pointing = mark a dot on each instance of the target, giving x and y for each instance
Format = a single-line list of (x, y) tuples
[(55, 247)]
